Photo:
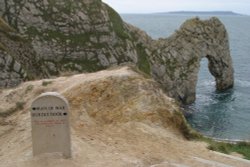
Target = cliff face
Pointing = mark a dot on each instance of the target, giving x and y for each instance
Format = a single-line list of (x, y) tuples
[(72, 35), (86, 36), (17, 58)]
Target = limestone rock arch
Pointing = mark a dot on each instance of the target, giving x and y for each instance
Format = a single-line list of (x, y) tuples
[(176, 61)]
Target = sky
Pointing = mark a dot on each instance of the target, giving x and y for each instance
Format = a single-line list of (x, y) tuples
[(151, 6)]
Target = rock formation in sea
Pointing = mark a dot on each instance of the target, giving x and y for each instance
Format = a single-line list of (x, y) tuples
[(176, 60), (88, 35)]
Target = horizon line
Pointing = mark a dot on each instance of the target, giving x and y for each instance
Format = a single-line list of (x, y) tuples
[(188, 11)]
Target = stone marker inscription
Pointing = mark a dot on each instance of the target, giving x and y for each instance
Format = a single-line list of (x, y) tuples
[(50, 124)]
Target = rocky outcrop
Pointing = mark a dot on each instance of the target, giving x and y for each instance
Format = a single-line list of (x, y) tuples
[(11, 72), (86, 36), (17, 58), (72, 35), (176, 60)]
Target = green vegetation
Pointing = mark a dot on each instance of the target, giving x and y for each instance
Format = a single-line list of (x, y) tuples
[(32, 31), (143, 62), (9, 32), (74, 39), (16, 37), (136, 69), (46, 83), (227, 148), (66, 7), (117, 23), (19, 106), (183, 75), (186, 130), (2, 47), (171, 66), (29, 88), (94, 7), (4, 27), (193, 61), (87, 65), (242, 148)]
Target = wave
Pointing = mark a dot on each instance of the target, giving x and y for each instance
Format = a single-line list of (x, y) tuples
[(206, 84), (241, 83), (211, 83), (205, 99)]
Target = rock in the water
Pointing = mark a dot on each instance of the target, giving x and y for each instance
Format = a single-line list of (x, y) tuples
[(177, 65)]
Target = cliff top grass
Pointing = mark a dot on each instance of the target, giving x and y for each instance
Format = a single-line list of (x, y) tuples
[(242, 148)]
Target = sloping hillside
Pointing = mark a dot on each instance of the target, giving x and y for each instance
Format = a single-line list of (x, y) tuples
[(118, 118)]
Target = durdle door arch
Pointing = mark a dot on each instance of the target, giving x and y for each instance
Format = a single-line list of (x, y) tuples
[(178, 66)]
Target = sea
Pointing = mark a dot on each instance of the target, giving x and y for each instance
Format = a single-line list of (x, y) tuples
[(224, 115)]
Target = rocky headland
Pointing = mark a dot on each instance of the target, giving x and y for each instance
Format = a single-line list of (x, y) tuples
[(56, 37)]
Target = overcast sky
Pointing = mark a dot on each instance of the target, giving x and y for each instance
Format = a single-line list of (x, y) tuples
[(150, 6)]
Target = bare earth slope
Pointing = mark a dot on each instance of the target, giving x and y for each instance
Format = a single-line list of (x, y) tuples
[(118, 118)]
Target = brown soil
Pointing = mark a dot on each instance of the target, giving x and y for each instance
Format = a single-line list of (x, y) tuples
[(118, 118)]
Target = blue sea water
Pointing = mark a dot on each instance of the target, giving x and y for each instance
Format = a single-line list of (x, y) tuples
[(219, 115)]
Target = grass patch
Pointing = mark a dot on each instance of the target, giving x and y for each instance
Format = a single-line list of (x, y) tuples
[(242, 148), (29, 88), (188, 132), (75, 39), (228, 148), (60, 37), (143, 62), (32, 31), (46, 83), (19, 106), (117, 23), (87, 65), (139, 71)]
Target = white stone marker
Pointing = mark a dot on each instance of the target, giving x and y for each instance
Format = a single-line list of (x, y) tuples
[(50, 124)]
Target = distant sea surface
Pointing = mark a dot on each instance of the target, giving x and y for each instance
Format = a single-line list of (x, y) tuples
[(219, 115)]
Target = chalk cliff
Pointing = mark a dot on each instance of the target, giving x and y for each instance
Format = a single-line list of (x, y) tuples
[(88, 35)]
